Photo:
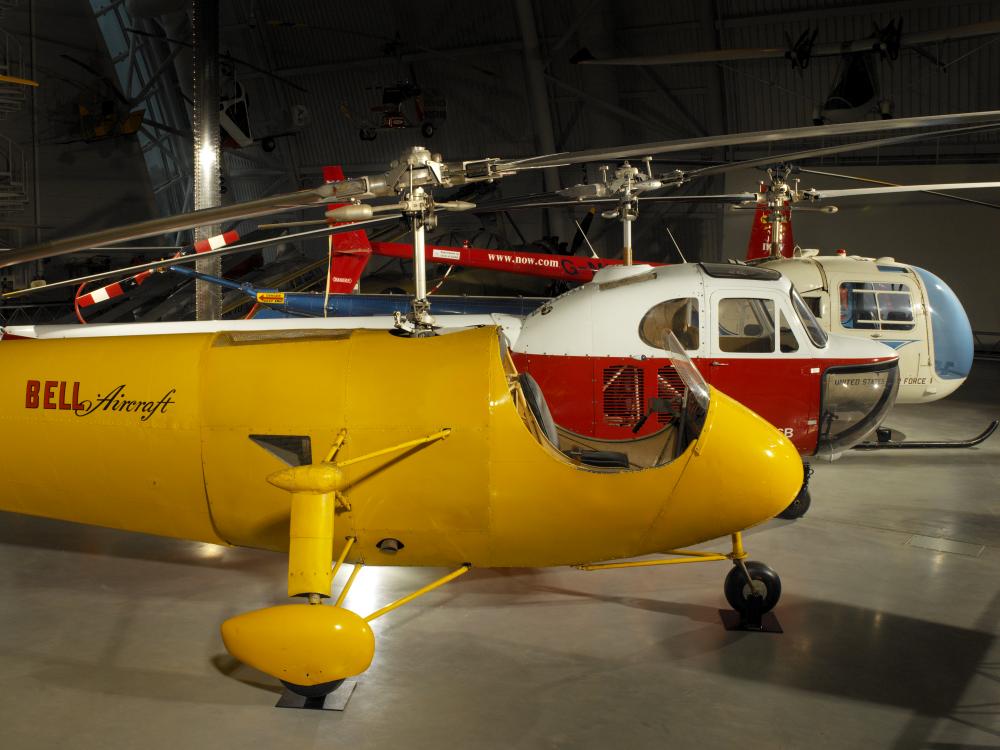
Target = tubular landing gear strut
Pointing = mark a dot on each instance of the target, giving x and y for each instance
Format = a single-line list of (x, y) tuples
[(751, 588), (316, 649)]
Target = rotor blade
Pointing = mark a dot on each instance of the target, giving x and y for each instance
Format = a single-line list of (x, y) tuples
[(721, 198), (815, 194), (986, 28), (583, 57), (552, 199), (737, 139), (856, 178), (831, 150), (458, 174), (242, 247), (289, 224), (179, 222)]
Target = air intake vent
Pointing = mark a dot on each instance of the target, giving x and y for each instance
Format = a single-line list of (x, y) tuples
[(670, 386), (623, 395)]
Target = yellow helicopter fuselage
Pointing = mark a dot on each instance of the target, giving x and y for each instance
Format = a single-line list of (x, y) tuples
[(153, 434)]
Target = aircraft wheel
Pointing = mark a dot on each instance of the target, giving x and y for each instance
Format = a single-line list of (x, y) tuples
[(367, 134), (798, 507), (268, 144), (427, 129), (765, 582), (313, 691)]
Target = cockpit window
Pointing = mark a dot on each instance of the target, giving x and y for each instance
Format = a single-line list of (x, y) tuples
[(808, 319), (677, 315), (876, 306), (746, 325), (786, 335)]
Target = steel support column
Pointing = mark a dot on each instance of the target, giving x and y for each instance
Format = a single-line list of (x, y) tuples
[(538, 99), (207, 155)]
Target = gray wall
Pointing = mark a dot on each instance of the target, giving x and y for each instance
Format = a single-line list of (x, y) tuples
[(957, 241)]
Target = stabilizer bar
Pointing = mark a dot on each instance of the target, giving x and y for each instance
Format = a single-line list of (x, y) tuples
[(928, 444)]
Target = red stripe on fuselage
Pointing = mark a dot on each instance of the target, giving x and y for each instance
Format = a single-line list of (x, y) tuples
[(785, 392)]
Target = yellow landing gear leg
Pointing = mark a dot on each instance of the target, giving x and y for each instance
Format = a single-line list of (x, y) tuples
[(751, 588), (313, 648)]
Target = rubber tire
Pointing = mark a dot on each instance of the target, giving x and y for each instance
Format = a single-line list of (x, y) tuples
[(427, 129), (313, 691), (737, 589), (798, 507), (268, 144)]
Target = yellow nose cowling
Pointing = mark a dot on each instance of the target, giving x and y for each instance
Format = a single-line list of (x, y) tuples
[(742, 472)]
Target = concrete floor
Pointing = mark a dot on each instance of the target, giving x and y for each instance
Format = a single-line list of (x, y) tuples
[(110, 639)]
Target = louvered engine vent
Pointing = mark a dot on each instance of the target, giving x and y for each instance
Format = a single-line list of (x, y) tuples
[(623, 395), (669, 385)]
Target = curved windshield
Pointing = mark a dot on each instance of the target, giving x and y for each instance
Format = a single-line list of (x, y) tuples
[(854, 400), (816, 333), (950, 328)]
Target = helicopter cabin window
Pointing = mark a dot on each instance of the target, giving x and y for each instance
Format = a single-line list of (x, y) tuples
[(746, 326), (875, 306), (677, 315), (815, 305), (786, 335)]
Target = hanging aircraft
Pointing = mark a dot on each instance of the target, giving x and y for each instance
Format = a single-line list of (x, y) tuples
[(469, 473), (855, 92)]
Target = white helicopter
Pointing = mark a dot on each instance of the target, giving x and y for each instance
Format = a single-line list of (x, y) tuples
[(903, 306)]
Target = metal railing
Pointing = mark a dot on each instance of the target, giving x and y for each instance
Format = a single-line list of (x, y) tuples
[(12, 95), (24, 315), (13, 176)]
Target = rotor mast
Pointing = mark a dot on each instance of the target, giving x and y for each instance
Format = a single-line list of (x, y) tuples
[(778, 196), (628, 183), (417, 206)]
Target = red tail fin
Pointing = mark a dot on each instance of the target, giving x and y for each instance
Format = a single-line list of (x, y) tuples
[(760, 233), (351, 250)]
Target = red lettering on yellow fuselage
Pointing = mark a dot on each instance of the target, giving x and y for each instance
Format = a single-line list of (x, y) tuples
[(51, 394)]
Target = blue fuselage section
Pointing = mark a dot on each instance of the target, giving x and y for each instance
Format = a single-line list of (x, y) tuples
[(303, 304)]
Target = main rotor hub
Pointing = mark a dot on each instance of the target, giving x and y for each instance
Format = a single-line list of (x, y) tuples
[(418, 205), (627, 172)]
